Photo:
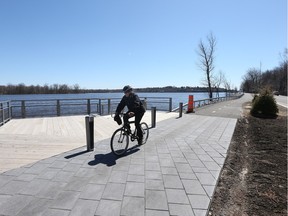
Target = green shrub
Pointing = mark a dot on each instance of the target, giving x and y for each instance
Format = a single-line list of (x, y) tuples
[(264, 105)]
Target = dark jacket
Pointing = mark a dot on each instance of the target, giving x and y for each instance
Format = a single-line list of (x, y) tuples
[(133, 103)]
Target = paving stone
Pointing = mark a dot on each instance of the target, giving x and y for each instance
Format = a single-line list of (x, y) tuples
[(34, 187), (200, 170), (137, 161), (85, 172), (151, 158), (35, 207), (76, 184), (200, 212), (199, 201), (193, 187), (66, 200), (25, 177), (196, 163), (187, 176), (84, 207), (4, 198), (171, 181), (56, 212), (183, 168), (177, 196), (136, 169), (58, 164), (92, 192), (154, 184), (15, 172), (169, 171), (180, 210), (114, 191), (118, 177), (13, 187), (206, 178), (135, 189), (167, 162), (15, 204), (156, 200), (211, 165), (152, 166), (63, 176), (5, 179), (99, 179), (179, 160), (108, 208), (135, 178), (215, 173), (156, 213), (133, 206), (205, 157), (209, 190), (153, 175), (48, 173), (37, 168), (70, 167), (51, 190)]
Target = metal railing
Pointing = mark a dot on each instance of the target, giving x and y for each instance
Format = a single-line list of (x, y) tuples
[(208, 101), (5, 112), (60, 107)]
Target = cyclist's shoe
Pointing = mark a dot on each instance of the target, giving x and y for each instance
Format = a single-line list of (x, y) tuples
[(127, 131), (140, 141)]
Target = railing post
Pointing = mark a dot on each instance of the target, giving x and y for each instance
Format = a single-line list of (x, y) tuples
[(58, 108), (100, 107), (88, 107), (153, 117), (23, 109), (9, 111), (180, 109), (109, 106), (170, 104), (2, 109)]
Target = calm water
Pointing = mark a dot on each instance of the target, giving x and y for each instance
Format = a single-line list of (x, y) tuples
[(176, 97), (48, 104)]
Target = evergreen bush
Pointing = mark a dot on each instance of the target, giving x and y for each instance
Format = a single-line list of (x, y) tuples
[(264, 104)]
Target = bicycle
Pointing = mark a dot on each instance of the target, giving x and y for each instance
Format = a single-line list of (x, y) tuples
[(120, 138)]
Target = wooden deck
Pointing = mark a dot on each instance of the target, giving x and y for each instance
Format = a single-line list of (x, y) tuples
[(24, 141)]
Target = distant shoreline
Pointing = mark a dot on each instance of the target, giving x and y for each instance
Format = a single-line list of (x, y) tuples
[(64, 89)]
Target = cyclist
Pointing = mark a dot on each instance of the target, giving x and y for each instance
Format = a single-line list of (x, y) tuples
[(135, 108)]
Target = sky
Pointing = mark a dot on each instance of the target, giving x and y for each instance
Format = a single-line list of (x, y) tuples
[(106, 44)]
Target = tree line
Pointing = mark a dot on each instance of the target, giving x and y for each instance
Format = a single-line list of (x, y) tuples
[(66, 89), (276, 79), (37, 89)]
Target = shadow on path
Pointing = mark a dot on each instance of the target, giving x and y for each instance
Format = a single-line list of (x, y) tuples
[(110, 159)]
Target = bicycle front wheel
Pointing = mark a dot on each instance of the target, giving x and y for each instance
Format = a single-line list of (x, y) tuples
[(119, 142), (145, 131)]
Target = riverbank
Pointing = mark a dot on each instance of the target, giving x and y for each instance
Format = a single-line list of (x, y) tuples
[(254, 176)]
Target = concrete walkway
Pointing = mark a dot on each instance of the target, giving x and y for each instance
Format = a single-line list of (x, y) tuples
[(24, 141), (174, 173)]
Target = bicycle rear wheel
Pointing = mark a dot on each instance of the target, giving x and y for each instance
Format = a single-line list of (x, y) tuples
[(119, 142), (145, 131)]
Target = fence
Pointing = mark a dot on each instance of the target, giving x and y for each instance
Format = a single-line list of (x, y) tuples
[(60, 107), (204, 102), (5, 112)]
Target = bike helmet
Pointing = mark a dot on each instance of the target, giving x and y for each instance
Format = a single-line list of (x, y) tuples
[(127, 88)]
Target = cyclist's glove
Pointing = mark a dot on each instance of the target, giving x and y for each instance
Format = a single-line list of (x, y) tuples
[(118, 119)]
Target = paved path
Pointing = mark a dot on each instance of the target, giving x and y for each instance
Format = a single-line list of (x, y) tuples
[(229, 109), (24, 141), (174, 173), (282, 100)]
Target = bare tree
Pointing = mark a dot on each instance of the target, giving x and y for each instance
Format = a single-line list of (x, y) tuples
[(218, 80), (206, 54)]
